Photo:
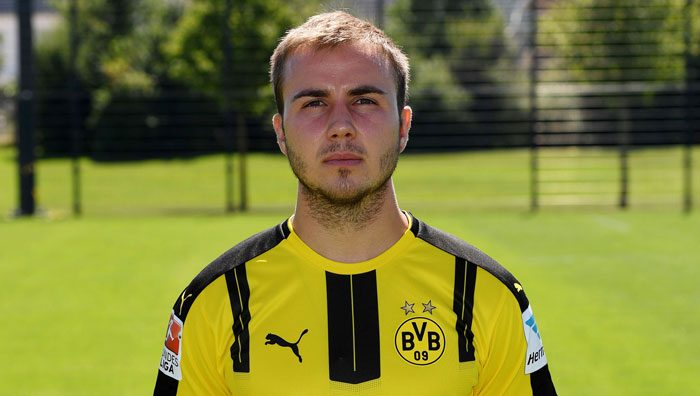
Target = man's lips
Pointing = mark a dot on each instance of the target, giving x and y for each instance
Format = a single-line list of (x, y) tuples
[(340, 158)]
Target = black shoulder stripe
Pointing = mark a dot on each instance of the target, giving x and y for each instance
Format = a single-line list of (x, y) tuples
[(233, 258), (237, 255), (457, 247), (463, 306), (541, 383), (239, 297), (165, 386)]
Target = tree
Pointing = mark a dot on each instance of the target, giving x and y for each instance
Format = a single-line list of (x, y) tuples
[(616, 41), (120, 46), (632, 53), (118, 57), (195, 56), (153, 72), (462, 65)]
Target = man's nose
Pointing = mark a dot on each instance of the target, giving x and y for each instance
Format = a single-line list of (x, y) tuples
[(340, 124)]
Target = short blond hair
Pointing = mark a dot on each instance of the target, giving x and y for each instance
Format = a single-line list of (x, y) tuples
[(332, 29)]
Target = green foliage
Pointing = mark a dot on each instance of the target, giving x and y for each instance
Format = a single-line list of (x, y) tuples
[(449, 43), (52, 82), (467, 35), (612, 40), (195, 56), (430, 25), (119, 50), (455, 47), (145, 65), (119, 40), (118, 57), (435, 87), (51, 59)]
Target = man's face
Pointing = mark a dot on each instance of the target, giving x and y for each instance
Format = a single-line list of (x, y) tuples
[(341, 129)]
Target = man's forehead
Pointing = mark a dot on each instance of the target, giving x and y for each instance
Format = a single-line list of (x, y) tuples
[(370, 52)]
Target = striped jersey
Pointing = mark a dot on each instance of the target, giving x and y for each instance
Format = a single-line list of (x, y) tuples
[(431, 315)]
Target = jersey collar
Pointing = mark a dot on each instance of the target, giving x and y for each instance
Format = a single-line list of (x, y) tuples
[(301, 248)]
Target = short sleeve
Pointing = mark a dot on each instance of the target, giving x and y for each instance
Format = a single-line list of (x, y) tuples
[(192, 358), (512, 360)]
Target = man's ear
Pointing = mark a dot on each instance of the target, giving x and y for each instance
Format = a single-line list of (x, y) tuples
[(405, 119), (278, 125)]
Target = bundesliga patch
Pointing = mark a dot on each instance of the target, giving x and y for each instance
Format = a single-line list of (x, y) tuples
[(535, 358), (172, 349)]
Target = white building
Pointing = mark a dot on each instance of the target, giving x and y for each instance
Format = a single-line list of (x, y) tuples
[(44, 19)]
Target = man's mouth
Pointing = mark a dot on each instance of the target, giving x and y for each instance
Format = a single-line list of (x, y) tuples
[(342, 159)]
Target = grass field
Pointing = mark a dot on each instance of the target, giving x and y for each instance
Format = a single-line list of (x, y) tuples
[(85, 301), (456, 181)]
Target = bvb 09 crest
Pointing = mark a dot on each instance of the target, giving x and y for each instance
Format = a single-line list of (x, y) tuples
[(420, 341)]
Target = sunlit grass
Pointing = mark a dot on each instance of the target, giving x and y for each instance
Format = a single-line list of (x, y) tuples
[(456, 181), (85, 301)]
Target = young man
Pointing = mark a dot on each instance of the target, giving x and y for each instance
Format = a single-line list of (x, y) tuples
[(350, 295)]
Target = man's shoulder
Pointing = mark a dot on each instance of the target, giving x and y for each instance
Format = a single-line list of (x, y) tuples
[(471, 255), (236, 256), (244, 251)]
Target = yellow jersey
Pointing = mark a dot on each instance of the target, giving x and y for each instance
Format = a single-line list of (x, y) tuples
[(432, 315)]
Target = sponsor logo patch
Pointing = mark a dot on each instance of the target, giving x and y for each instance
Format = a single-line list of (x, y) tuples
[(535, 358), (172, 349)]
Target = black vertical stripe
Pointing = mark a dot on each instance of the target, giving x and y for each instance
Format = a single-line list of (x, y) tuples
[(353, 327), (165, 386), (465, 281), (239, 295), (541, 383)]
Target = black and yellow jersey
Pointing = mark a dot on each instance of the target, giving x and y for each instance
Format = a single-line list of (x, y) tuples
[(432, 315)]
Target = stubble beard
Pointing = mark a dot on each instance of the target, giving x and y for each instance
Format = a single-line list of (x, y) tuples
[(345, 206)]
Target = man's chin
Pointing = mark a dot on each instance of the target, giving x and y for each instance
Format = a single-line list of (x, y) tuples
[(348, 195), (344, 198), (340, 196)]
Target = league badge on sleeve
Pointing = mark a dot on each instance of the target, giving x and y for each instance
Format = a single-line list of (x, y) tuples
[(172, 350), (535, 358)]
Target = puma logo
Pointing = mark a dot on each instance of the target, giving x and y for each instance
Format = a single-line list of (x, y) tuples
[(274, 339)]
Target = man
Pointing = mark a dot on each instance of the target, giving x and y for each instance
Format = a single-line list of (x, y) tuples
[(350, 295)]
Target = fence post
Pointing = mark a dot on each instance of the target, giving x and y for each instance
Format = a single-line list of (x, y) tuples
[(25, 112), (533, 111), (379, 11), (624, 143), (227, 71), (242, 146), (689, 104), (75, 126)]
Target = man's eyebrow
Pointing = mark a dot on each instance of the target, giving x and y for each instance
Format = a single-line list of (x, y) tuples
[(366, 89), (311, 92), (322, 93)]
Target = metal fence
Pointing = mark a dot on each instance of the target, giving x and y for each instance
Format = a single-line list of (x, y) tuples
[(578, 91)]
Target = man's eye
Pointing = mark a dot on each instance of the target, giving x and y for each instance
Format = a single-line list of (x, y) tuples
[(364, 101), (314, 103)]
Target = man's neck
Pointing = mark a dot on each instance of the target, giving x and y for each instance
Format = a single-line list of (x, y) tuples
[(350, 233)]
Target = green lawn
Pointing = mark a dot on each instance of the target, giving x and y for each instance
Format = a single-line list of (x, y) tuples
[(457, 181), (85, 301)]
